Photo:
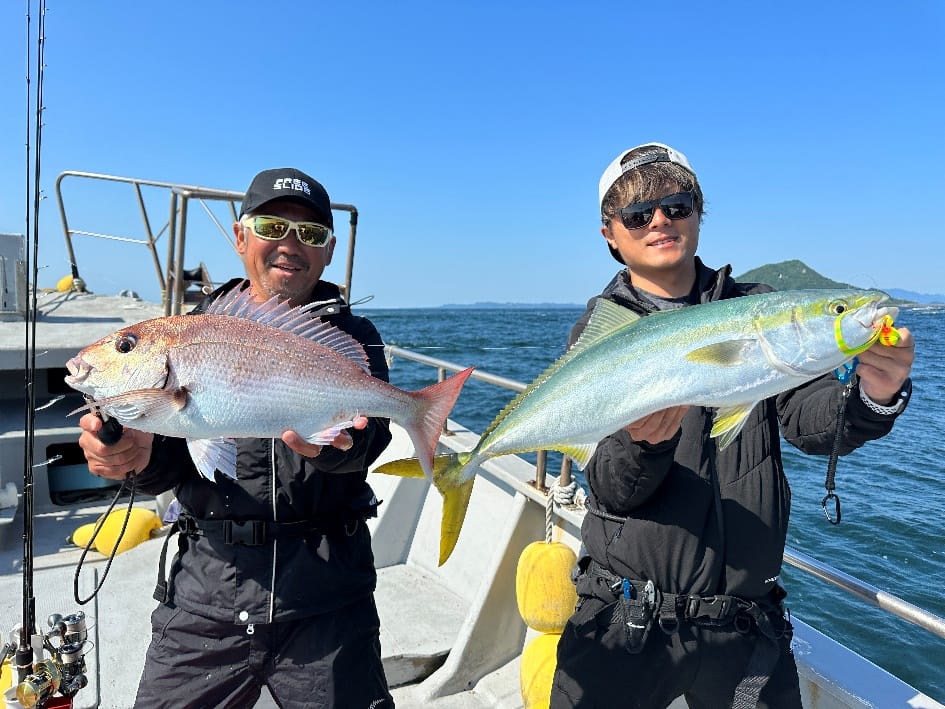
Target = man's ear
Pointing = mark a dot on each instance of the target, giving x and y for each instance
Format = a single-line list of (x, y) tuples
[(330, 249), (240, 233), (607, 234)]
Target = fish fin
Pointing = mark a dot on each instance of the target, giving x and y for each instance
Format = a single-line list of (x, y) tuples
[(579, 454), (297, 320), (606, 318), (140, 403), (447, 476), (729, 421), (404, 468), (432, 406), (455, 505), (325, 437), (729, 353), (211, 454)]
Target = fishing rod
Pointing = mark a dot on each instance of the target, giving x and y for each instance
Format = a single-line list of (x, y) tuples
[(24, 652), (38, 679)]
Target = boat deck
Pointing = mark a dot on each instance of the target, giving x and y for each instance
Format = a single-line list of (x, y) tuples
[(451, 635)]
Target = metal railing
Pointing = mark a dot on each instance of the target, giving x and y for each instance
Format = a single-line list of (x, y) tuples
[(849, 584), (171, 272)]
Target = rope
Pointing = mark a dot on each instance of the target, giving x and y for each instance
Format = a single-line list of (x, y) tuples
[(549, 510)]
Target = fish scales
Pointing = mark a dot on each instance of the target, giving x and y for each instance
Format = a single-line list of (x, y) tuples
[(254, 385), (644, 364)]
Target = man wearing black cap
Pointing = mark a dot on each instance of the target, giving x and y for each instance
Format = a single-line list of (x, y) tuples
[(679, 576), (274, 578)]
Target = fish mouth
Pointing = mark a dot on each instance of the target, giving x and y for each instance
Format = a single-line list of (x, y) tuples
[(79, 371), (873, 315), (870, 315)]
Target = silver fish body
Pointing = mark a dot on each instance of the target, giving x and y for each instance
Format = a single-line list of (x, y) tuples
[(727, 355), (248, 370)]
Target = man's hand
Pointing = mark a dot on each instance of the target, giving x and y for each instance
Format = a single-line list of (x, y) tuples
[(131, 452), (659, 426), (883, 369), (342, 441)]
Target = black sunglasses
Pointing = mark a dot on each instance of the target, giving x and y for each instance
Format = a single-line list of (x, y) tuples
[(640, 214)]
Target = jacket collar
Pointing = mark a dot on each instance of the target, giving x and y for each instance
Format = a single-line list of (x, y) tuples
[(711, 285), (326, 297)]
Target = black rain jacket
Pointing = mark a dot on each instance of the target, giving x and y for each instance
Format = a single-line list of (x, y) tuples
[(699, 520), (285, 577)]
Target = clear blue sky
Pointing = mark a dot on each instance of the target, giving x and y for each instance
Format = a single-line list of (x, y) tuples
[(471, 136)]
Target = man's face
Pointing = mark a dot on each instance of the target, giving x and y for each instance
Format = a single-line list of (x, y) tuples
[(659, 252), (286, 268)]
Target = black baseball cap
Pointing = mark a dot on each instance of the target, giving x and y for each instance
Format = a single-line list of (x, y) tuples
[(288, 183)]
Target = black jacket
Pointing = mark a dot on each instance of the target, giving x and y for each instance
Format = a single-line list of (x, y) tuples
[(285, 577), (699, 520)]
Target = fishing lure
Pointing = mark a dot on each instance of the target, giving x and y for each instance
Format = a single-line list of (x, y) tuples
[(888, 335)]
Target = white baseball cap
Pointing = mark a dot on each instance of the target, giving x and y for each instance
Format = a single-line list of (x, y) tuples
[(615, 169)]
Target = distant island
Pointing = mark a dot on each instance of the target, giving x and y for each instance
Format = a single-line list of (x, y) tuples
[(489, 305), (786, 275), (794, 275)]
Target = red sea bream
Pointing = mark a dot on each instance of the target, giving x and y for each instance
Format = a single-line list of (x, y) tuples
[(247, 369)]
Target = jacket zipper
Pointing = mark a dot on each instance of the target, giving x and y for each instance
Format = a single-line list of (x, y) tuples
[(275, 542)]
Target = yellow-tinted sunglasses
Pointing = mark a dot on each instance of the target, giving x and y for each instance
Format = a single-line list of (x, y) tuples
[(276, 228)]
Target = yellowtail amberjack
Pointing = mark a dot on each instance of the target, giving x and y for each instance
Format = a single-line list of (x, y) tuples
[(727, 355), (246, 369)]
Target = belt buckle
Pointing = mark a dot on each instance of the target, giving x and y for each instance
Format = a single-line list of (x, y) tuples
[(187, 525), (248, 532), (712, 607)]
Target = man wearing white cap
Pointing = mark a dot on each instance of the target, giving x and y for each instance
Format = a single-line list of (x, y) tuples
[(678, 581)]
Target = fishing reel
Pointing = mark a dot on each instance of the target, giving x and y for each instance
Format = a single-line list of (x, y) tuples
[(64, 671)]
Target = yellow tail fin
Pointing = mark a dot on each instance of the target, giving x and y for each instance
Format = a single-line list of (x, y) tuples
[(455, 492)]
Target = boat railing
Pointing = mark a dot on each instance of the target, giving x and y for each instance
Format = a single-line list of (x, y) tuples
[(172, 278), (868, 593)]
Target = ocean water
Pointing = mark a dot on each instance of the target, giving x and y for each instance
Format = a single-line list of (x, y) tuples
[(892, 491)]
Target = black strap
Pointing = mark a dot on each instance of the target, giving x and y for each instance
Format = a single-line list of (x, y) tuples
[(251, 532), (707, 609), (761, 663), (640, 603), (160, 588), (598, 512)]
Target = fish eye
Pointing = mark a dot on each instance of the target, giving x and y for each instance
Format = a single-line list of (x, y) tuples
[(837, 307), (126, 343)]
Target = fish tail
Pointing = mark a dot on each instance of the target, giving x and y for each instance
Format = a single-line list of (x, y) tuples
[(434, 404), (448, 480)]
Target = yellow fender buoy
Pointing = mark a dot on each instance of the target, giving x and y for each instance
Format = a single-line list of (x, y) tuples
[(543, 587), (539, 659), (64, 284), (140, 525), (6, 680)]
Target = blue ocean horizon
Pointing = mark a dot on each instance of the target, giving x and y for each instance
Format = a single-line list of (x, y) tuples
[(892, 490)]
